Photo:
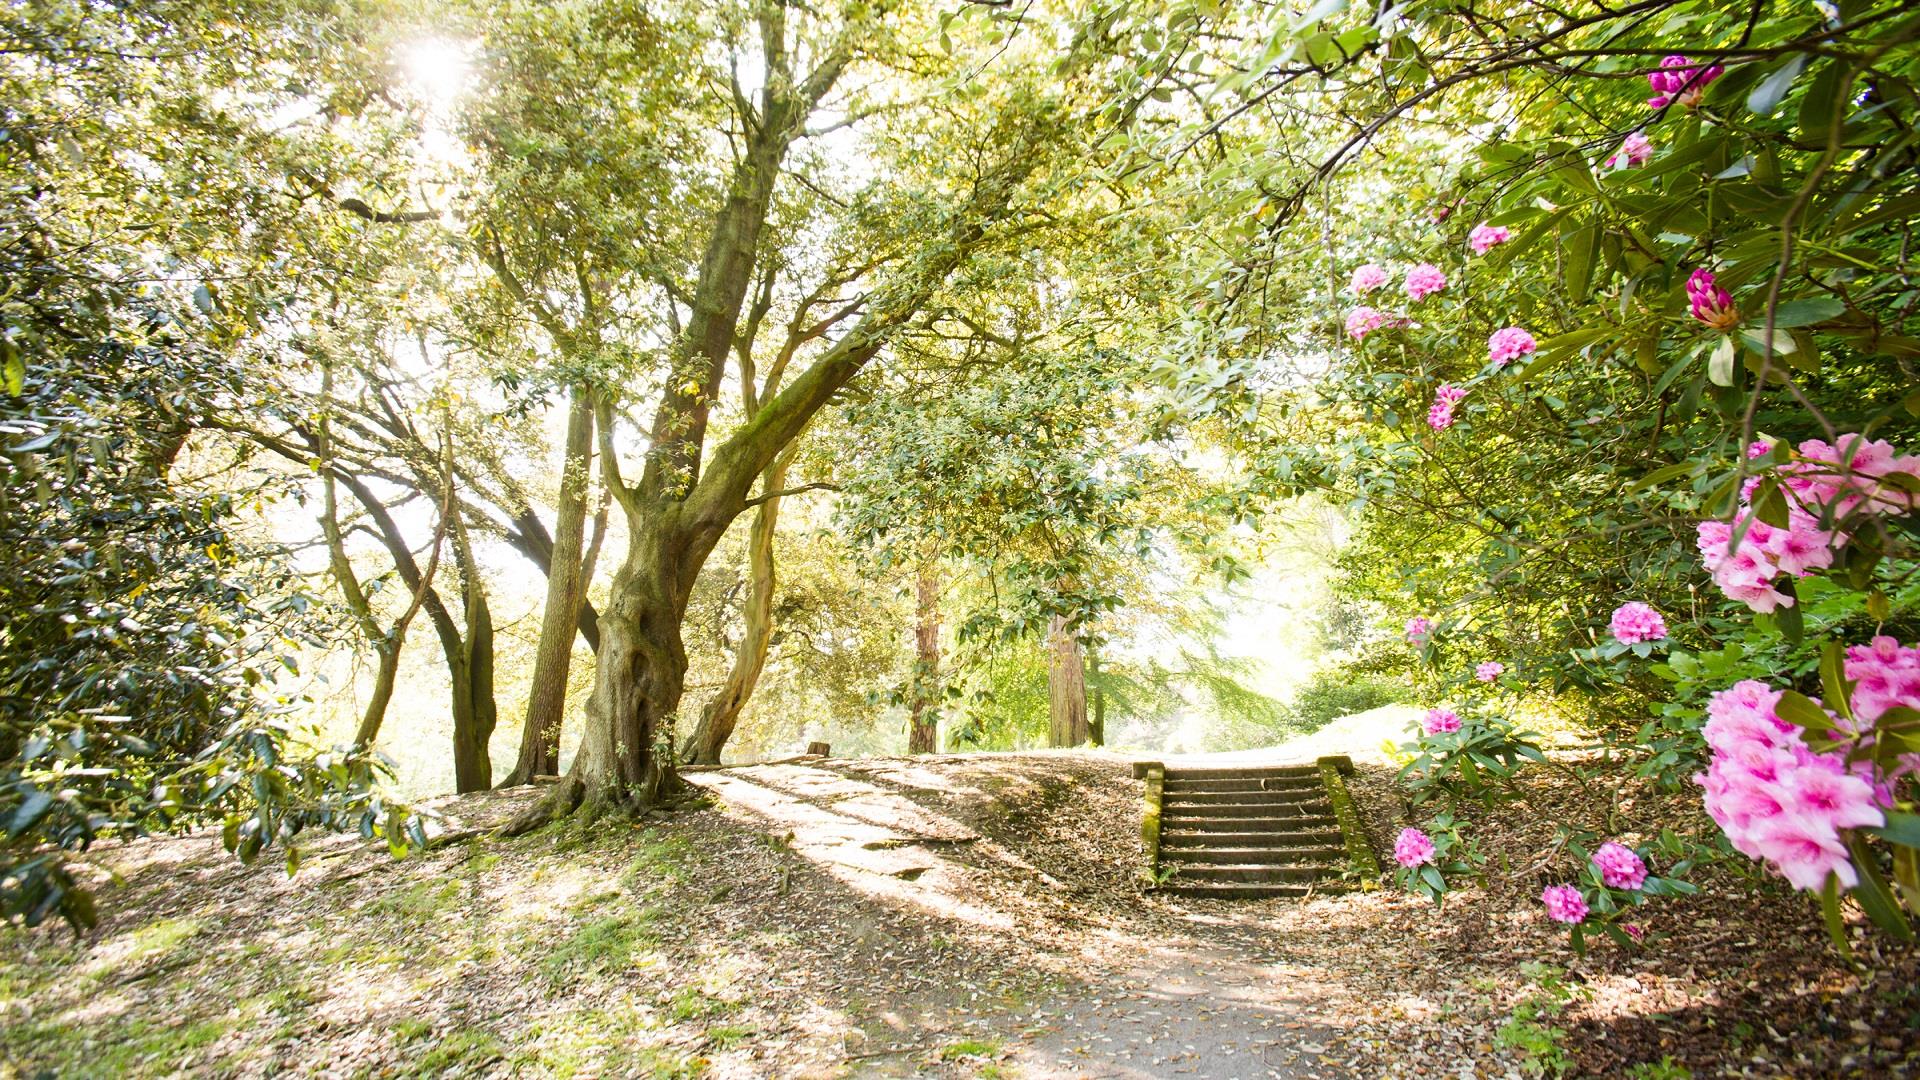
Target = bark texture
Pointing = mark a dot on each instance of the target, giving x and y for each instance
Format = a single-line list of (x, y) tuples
[(923, 732), (560, 619), (1066, 687), (722, 711)]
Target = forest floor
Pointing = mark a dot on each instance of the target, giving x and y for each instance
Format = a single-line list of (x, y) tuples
[(967, 916)]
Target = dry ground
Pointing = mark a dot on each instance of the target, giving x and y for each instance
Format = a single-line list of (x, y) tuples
[(950, 916)]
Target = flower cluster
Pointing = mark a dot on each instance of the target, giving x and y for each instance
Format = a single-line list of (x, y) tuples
[(1440, 722), (1508, 345), (1489, 671), (1619, 867), (1827, 485), (1778, 800), (1885, 675), (1440, 413), (1636, 622), (1362, 321), (1680, 80), (1564, 903), (1634, 152), (1485, 237), (1710, 303), (1413, 848), (1367, 278), (1418, 628), (1425, 280)]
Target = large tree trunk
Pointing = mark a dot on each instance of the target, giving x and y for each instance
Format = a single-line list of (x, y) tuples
[(722, 711), (624, 762), (384, 676), (1066, 687), (566, 588), (474, 712), (923, 732), (1097, 724)]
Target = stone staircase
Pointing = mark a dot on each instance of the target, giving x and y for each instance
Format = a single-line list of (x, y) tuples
[(1249, 832)]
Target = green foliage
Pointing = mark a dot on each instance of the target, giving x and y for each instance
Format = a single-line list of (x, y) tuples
[(1336, 692)]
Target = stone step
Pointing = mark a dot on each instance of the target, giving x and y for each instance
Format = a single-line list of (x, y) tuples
[(1216, 811), (1267, 890), (1256, 873), (1231, 823), (1245, 783), (1243, 771), (1171, 840), (1265, 856), (1210, 798)]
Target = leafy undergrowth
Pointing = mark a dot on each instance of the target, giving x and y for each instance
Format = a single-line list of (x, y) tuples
[(958, 916), (1739, 980)]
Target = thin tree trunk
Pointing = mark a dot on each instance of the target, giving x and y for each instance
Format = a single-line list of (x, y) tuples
[(722, 711), (923, 732), (384, 677), (1066, 687), (566, 589), (1097, 725)]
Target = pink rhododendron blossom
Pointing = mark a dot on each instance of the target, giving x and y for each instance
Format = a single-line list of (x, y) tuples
[(1635, 931), (1619, 867), (1368, 277), (1680, 80), (1418, 628), (1564, 904), (1425, 280), (1441, 722), (1777, 799), (1362, 321), (1759, 448), (1413, 848), (1489, 671), (1636, 622), (1710, 303), (1634, 152), (1485, 237), (1440, 413), (1508, 345), (1827, 487)]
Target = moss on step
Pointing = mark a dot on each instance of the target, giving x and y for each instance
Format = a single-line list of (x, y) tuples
[(1156, 777), (1361, 863)]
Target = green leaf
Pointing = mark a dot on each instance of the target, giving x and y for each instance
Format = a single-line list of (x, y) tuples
[(29, 812), (1806, 312), (1760, 341), (1834, 685), (1873, 894), (1720, 364), (1772, 90), (1901, 828), (1836, 924)]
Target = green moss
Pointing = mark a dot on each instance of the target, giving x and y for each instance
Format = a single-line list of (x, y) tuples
[(659, 859), (160, 937), (602, 1042), (728, 1036), (966, 1048), (420, 902), (690, 1003), (460, 1052), (113, 1048), (604, 945)]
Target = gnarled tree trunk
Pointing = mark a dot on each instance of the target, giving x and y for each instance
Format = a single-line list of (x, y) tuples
[(722, 711), (566, 589), (923, 731), (1066, 687)]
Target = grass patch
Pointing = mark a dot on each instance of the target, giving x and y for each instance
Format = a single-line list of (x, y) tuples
[(728, 1036), (422, 901), (603, 1042), (116, 1048), (460, 1052), (604, 945), (659, 859), (970, 1048), (160, 937)]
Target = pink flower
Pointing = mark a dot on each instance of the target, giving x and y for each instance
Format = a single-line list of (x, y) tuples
[(1633, 153), (1778, 800), (1759, 448), (1362, 321), (1413, 848), (1710, 303), (1425, 280), (1564, 904), (1508, 345), (1485, 237), (1440, 413), (1418, 628), (1441, 722), (1367, 278), (1679, 79), (1489, 671), (1635, 931), (1636, 622), (1619, 867)]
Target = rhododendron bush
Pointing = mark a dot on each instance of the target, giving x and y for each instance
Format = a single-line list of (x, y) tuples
[(1642, 419)]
